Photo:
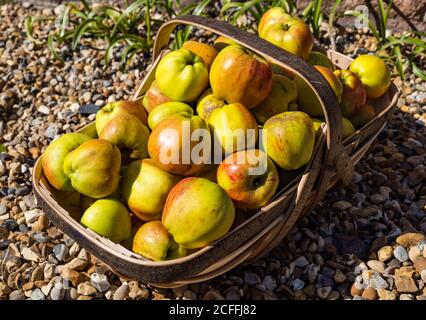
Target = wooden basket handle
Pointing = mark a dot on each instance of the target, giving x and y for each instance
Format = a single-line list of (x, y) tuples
[(337, 156)]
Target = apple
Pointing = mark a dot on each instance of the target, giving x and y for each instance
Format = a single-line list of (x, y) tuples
[(289, 33), (181, 75), (365, 114), (249, 178), (172, 148), (110, 110), (288, 138), (164, 110), (153, 241), (206, 52), (284, 92), (53, 158), (129, 135), (234, 127), (207, 103), (240, 76), (347, 126), (93, 168), (197, 212), (144, 188), (374, 74), (222, 42), (307, 100), (154, 97), (354, 95), (109, 218), (271, 17), (320, 59)]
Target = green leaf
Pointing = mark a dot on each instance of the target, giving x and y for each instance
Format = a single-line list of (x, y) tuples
[(80, 32), (51, 46), (418, 72), (2, 148), (399, 62)]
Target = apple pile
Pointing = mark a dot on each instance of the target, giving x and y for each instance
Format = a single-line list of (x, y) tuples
[(142, 180)]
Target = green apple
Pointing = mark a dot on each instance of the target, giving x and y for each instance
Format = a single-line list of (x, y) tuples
[(53, 158), (181, 75), (174, 148), (320, 59), (207, 103), (284, 92), (109, 218), (144, 187), (249, 178), (197, 212), (129, 135), (154, 97), (347, 126), (240, 76), (234, 127), (112, 109), (93, 168), (288, 138), (164, 110)]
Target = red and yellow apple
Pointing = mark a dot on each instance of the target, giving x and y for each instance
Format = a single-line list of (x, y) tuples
[(197, 212), (144, 187), (234, 127), (222, 42), (206, 52), (288, 138), (177, 146), (109, 218), (374, 74), (365, 114), (181, 75), (53, 158), (240, 76), (354, 95), (249, 178), (93, 168), (154, 97), (284, 92)]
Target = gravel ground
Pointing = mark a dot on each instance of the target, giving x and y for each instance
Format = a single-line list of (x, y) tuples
[(354, 245)]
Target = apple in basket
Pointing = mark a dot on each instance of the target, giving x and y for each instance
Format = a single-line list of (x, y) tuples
[(144, 188), (181, 144), (94, 168), (317, 58), (129, 134), (181, 75), (347, 127), (154, 97), (164, 110), (365, 114), (109, 218), (354, 95), (288, 138), (240, 76), (234, 127), (197, 212), (153, 241), (249, 177), (284, 92), (206, 52), (53, 158), (308, 101), (207, 102), (287, 32), (374, 74), (112, 109)]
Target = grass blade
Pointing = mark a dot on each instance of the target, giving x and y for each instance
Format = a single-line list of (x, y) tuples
[(418, 72), (51, 46)]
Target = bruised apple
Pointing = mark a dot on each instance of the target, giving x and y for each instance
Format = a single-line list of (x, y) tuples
[(53, 158), (288, 138), (207, 103), (177, 146), (206, 52), (129, 135), (112, 109), (284, 92), (197, 212), (144, 187), (93, 168), (181, 75), (154, 97), (240, 76), (234, 127), (249, 178)]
